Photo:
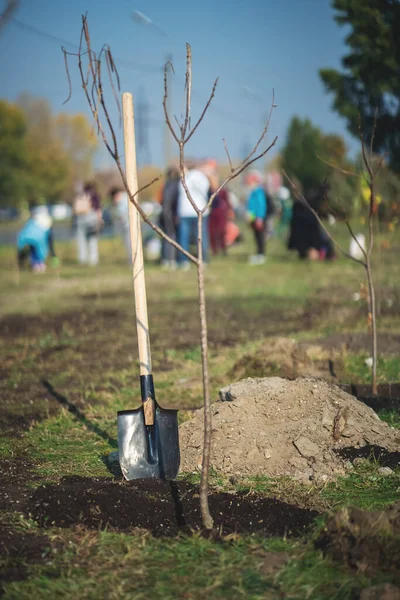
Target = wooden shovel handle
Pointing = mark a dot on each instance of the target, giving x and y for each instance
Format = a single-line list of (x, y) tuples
[(139, 284)]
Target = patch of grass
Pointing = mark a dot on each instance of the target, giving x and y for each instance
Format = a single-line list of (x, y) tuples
[(193, 354), (364, 488), (388, 368), (314, 577), (107, 565), (63, 440), (390, 416)]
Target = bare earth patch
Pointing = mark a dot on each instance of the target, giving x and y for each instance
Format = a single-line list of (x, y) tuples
[(277, 427)]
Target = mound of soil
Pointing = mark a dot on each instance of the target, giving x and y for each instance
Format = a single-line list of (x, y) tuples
[(160, 507), (366, 541), (277, 427)]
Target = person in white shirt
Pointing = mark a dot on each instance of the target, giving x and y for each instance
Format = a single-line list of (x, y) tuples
[(199, 187), (120, 217)]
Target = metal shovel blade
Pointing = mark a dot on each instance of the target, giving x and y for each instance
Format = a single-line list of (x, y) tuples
[(148, 451)]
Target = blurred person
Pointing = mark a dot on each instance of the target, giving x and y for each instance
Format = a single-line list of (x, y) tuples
[(35, 241), (285, 210), (220, 212), (199, 181), (169, 215), (307, 236), (257, 214), (88, 219), (120, 217)]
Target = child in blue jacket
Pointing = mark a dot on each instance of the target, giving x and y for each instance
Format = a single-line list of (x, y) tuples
[(34, 241), (257, 214)]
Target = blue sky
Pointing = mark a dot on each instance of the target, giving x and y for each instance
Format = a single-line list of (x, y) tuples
[(253, 44)]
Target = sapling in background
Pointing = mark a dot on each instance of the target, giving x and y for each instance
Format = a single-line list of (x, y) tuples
[(363, 248)]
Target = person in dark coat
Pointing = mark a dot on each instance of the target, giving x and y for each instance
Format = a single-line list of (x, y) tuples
[(306, 234), (169, 216)]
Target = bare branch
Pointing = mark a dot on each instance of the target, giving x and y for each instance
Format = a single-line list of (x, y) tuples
[(365, 158), (68, 75), (351, 231), (205, 109), (337, 168), (85, 28), (371, 145), (112, 69), (228, 155), (188, 89), (156, 228), (236, 171), (172, 130), (265, 130), (10, 8)]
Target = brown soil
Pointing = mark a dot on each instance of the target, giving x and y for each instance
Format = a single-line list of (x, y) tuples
[(18, 550), (375, 453), (282, 317), (278, 427), (368, 542), (160, 507), (93, 341), (15, 474)]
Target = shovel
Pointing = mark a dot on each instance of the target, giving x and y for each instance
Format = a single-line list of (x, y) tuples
[(148, 441)]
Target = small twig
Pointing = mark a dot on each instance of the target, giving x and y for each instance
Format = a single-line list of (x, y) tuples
[(205, 109), (337, 168), (68, 75), (10, 7), (228, 155), (371, 145), (188, 89), (237, 171), (112, 69), (165, 99)]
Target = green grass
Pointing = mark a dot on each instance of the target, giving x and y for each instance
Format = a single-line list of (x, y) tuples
[(107, 565), (391, 417), (388, 368), (364, 488)]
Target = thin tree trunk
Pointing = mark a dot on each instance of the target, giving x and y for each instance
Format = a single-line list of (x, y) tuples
[(205, 468), (372, 308)]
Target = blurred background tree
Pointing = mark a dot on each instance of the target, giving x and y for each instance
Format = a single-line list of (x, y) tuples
[(13, 154), (42, 155), (370, 80), (79, 142), (47, 163), (299, 155)]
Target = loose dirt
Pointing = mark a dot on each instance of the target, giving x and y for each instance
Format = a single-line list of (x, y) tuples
[(18, 550), (160, 507), (276, 427)]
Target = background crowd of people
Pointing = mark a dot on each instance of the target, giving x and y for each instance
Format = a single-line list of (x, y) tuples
[(265, 214)]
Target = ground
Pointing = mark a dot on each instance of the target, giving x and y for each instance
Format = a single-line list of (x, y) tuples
[(71, 527)]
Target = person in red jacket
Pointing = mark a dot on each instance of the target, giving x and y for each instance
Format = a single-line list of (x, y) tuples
[(218, 221)]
